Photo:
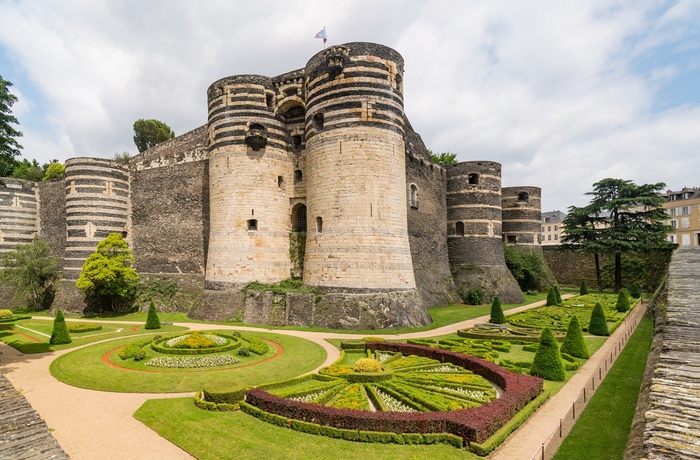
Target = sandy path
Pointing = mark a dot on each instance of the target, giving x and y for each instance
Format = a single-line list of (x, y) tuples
[(93, 424)]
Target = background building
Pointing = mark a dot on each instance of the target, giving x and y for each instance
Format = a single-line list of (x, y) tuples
[(683, 208), (552, 229)]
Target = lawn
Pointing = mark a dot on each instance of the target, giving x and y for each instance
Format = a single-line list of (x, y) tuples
[(600, 432), (84, 368), (232, 435)]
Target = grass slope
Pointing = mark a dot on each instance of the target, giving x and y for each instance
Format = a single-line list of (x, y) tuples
[(600, 432), (233, 435)]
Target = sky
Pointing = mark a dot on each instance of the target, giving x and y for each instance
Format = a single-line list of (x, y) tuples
[(562, 93)]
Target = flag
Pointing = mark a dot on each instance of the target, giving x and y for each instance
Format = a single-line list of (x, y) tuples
[(322, 34)]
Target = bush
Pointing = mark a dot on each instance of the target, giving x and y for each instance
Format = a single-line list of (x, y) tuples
[(598, 324), (574, 344), (551, 297), (636, 292), (497, 316), (623, 301), (367, 365), (77, 328), (152, 321), (352, 345), (475, 296), (59, 334), (528, 267), (243, 351), (224, 394), (557, 291), (584, 288), (548, 363), (257, 346), (133, 349), (5, 314)]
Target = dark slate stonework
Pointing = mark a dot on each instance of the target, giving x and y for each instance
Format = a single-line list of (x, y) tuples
[(52, 216)]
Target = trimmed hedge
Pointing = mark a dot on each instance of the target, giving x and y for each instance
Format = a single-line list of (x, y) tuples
[(152, 320), (574, 344), (59, 333), (557, 291), (256, 345), (636, 292), (548, 363), (584, 288), (5, 314), (551, 297), (471, 425), (155, 346), (212, 406), (133, 349), (352, 345), (497, 316), (598, 325), (623, 301), (220, 394), (78, 328)]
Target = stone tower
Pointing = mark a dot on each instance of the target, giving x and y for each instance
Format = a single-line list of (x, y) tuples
[(474, 231), (357, 233), (522, 213)]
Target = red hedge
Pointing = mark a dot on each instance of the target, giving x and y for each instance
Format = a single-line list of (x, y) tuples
[(473, 425)]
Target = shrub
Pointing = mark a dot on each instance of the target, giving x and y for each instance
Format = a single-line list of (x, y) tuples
[(584, 288), (133, 349), (373, 339), (574, 344), (59, 334), (367, 365), (243, 351), (194, 341), (152, 321), (551, 297), (497, 316), (548, 363), (557, 291), (257, 346), (636, 292), (598, 324), (5, 314), (352, 345), (475, 296), (77, 328), (623, 301), (224, 394)]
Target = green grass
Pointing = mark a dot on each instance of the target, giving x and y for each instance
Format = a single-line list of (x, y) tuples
[(84, 368), (233, 435), (15, 334), (602, 430)]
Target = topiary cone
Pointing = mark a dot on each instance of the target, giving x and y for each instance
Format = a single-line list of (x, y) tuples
[(547, 363), (59, 334), (574, 344), (497, 316), (551, 297), (558, 293), (152, 321), (636, 292), (598, 324), (584, 288), (623, 301)]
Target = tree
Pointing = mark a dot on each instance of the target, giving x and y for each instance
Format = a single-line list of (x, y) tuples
[(584, 288), (7, 164), (622, 217), (547, 362), (497, 316), (108, 275), (623, 301), (32, 271), (557, 292), (443, 158), (582, 235), (122, 157), (54, 171), (28, 170), (528, 267), (149, 133), (152, 320), (59, 333), (598, 325), (551, 297), (8, 144), (574, 344)]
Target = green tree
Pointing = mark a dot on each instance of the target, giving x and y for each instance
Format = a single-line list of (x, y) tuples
[(108, 275), (152, 320), (557, 291), (528, 267), (497, 316), (626, 218), (574, 344), (149, 133), (598, 325), (122, 157), (581, 234), (7, 164), (584, 288), (9, 147), (32, 271), (28, 170), (54, 171), (551, 297), (59, 333), (623, 301), (443, 158), (636, 292), (547, 362)]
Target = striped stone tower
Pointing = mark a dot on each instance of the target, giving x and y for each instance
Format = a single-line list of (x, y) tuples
[(19, 213), (249, 173), (357, 228), (522, 216), (97, 204), (474, 231)]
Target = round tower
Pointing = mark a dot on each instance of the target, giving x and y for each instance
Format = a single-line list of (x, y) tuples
[(249, 172), (19, 213), (474, 231), (356, 181), (522, 216), (97, 204)]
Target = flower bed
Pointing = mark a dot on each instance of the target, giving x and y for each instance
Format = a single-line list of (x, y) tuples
[(192, 362), (201, 345)]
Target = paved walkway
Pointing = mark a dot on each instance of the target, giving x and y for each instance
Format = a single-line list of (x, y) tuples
[(91, 424)]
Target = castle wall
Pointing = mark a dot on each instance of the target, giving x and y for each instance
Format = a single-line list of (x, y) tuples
[(249, 176), (53, 215), (522, 215), (19, 213), (170, 205), (97, 204), (357, 234)]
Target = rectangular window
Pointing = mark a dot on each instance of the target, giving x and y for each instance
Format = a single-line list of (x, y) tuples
[(549, 228), (556, 237), (685, 210), (556, 227), (674, 223), (672, 212), (685, 240), (549, 237), (673, 239), (685, 222), (542, 229)]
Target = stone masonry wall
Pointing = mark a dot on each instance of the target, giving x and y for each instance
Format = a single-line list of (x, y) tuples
[(19, 213), (53, 215)]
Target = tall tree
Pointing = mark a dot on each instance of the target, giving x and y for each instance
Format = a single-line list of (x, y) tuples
[(9, 147), (28, 170), (581, 234), (148, 133), (32, 271), (621, 217)]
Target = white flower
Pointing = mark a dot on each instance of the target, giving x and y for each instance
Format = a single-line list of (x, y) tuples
[(190, 362)]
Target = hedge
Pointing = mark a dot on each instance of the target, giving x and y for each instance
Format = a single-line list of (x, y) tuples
[(226, 394), (212, 406), (77, 328), (235, 343), (352, 345)]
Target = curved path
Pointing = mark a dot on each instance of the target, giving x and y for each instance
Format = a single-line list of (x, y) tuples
[(91, 424)]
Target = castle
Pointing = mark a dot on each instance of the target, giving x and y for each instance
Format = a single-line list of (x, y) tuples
[(314, 174)]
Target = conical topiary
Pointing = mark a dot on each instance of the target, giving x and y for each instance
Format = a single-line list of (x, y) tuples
[(598, 324), (152, 321), (551, 297), (623, 301), (59, 334), (497, 316), (547, 363), (636, 292), (574, 344), (557, 291), (584, 288)]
